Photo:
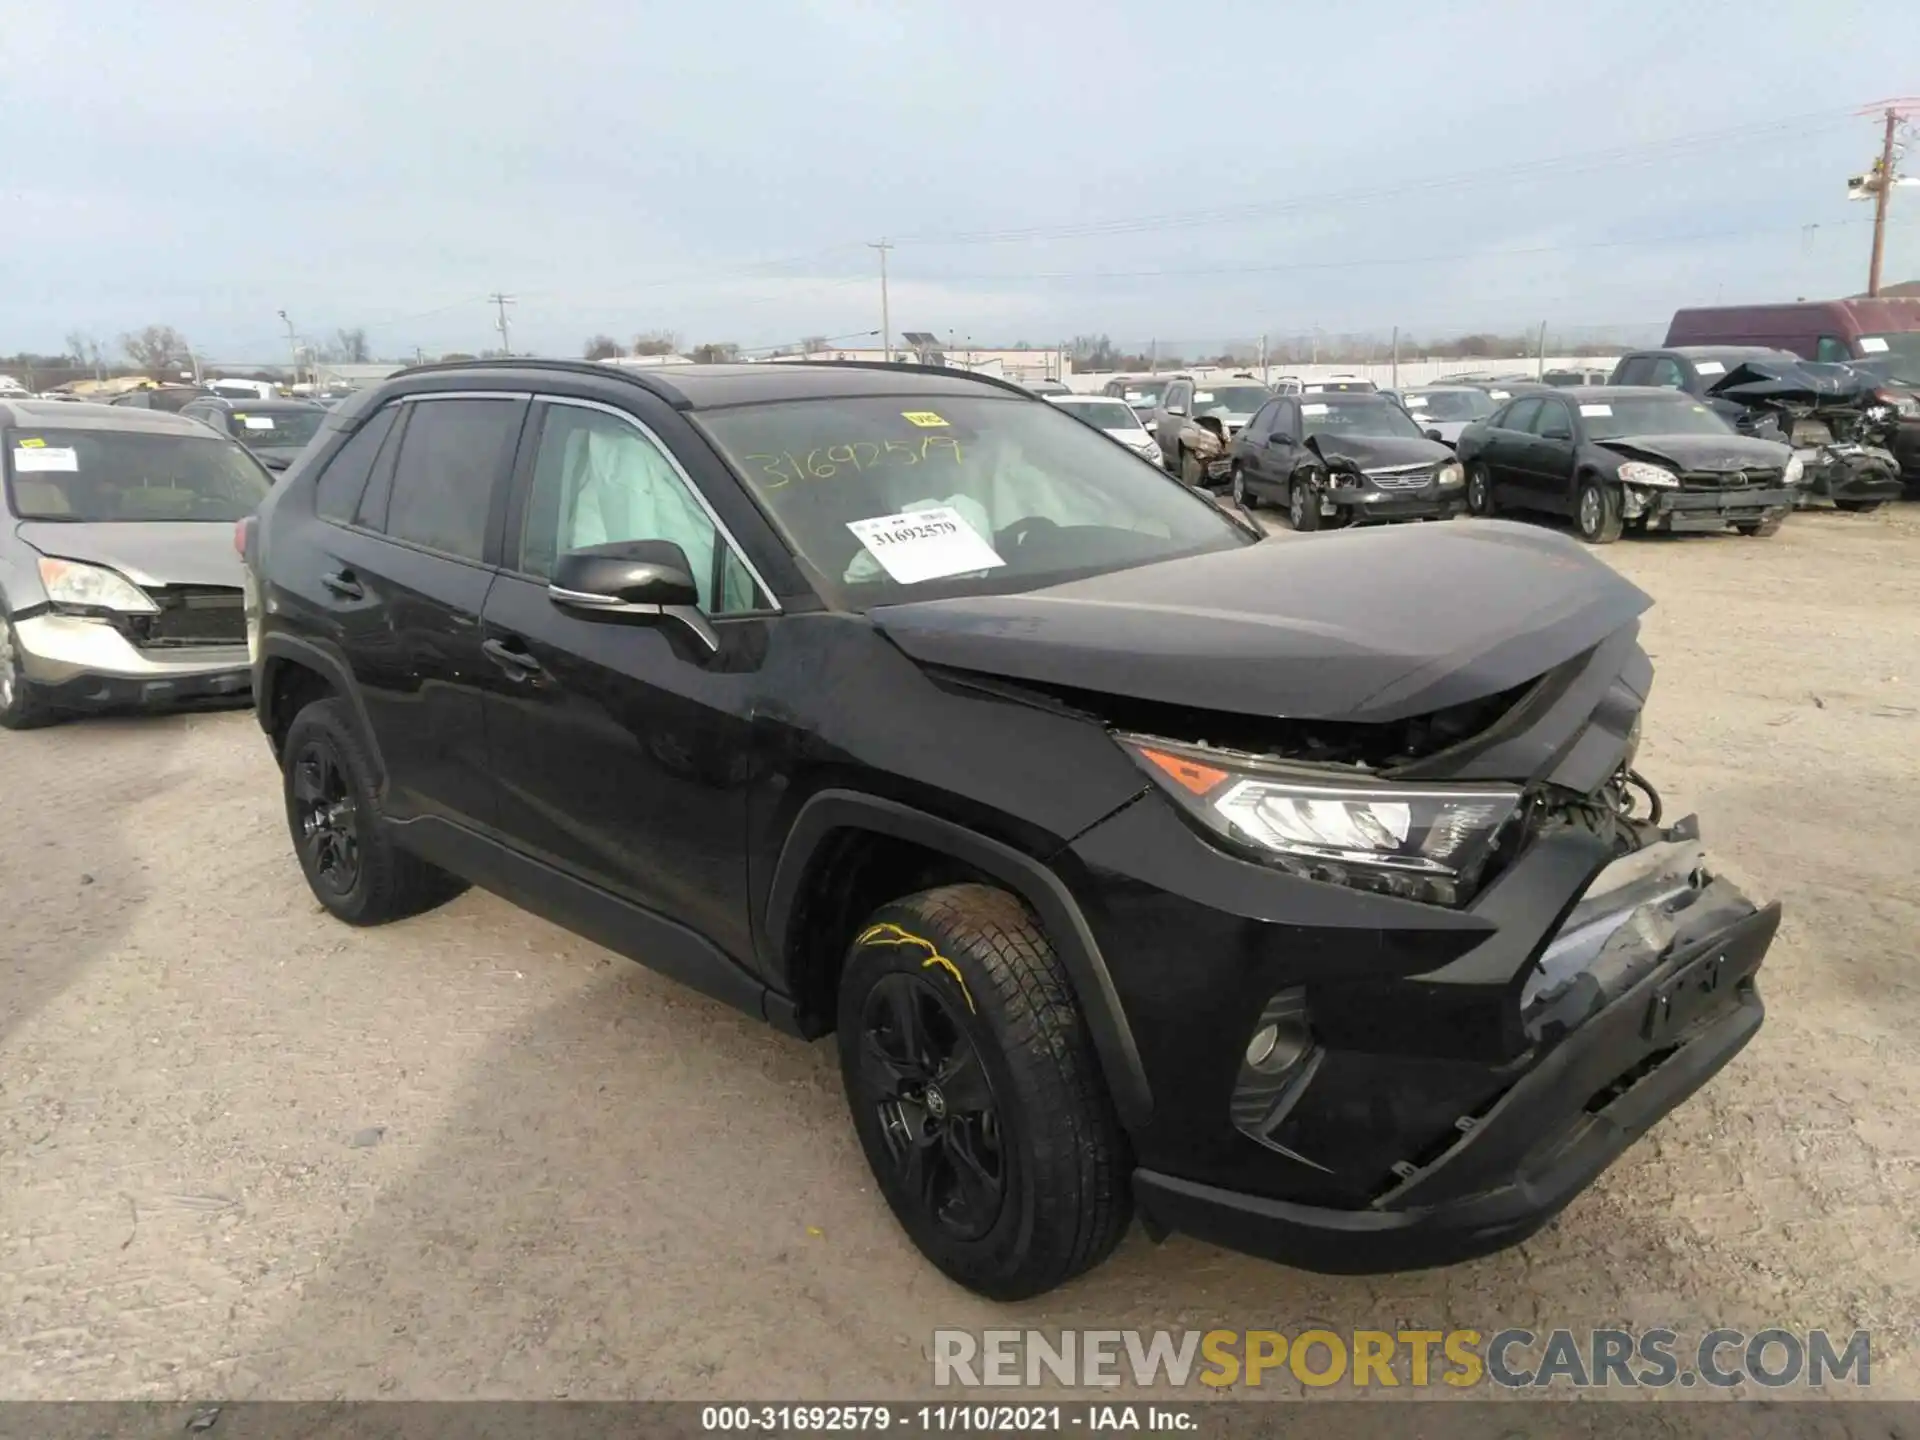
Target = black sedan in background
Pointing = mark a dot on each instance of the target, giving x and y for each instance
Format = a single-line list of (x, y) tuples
[(1615, 457), (1338, 458), (274, 430)]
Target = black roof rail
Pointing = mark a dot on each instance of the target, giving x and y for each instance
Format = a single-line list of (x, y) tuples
[(945, 372)]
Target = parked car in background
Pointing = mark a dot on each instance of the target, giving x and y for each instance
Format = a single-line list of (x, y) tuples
[(1142, 392), (1443, 411), (1046, 387), (244, 389), (1339, 459), (1615, 458), (1881, 335), (1338, 385), (171, 398), (274, 430), (1584, 376), (1114, 418), (118, 579), (1197, 419), (1133, 858), (1837, 417)]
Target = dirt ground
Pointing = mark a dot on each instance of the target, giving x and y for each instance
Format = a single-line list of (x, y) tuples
[(248, 1152)]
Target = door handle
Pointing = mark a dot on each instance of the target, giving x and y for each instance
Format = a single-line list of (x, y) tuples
[(342, 583), (518, 664)]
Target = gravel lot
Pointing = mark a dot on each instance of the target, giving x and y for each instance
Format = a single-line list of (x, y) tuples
[(248, 1152)]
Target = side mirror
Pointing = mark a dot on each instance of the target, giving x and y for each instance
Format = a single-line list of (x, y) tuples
[(1436, 435), (636, 582)]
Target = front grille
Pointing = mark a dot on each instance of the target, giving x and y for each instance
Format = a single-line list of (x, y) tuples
[(1416, 478), (191, 615), (1731, 479)]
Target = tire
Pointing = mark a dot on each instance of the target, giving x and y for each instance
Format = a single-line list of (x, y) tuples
[(1761, 529), (1021, 1180), (22, 705), (1189, 467), (1480, 499), (1596, 511), (1242, 496), (1303, 506), (351, 863), (1858, 507)]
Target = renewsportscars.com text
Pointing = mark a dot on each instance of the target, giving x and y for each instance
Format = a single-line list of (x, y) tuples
[(1513, 1359)]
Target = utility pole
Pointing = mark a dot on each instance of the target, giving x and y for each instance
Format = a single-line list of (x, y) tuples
[(293, 346), (1396, 357), (1264, 378), (1153, 357), (1540, 365), (501, 302), (886, 317), (1881, 181)]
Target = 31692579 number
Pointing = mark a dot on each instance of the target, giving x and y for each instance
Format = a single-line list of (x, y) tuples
[(787, 467)]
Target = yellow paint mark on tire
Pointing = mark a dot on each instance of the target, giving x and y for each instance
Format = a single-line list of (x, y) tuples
[(887, 933)]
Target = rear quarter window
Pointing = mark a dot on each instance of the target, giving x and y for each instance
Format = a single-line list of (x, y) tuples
[(337, 492)]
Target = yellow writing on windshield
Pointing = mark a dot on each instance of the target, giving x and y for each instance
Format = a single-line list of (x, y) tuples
[(858, 455)]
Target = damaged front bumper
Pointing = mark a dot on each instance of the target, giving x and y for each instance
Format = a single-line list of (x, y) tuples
[(1360, 499), (1705, 509), (1851, 474), (1437, 1112)]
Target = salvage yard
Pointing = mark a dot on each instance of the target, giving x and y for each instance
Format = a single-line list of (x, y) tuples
[(247, 1151)]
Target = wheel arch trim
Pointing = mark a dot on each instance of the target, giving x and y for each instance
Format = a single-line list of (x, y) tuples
[(279, 650), (1060, 915)]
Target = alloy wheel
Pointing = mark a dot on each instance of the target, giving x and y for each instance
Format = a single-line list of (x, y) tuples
[(7, 664), (1590, 510), (930, 1089), (1297, 506), (329, 820), (1477, 491), (1239, 487)]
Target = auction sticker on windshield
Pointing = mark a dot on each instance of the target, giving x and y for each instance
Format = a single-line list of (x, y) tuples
[(1873, 345), (1596, 412), (1710, 367), (925, 419), (257, 422), (1313, 409), (44, 457), (930, 544)]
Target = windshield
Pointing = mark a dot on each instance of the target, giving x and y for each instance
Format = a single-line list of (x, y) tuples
[(105, 475), (1371, 417), (1144, 394), (1894, 357), (1228, 399), (291, 428), (1449, 404), (897, 498), (1109, 415), (1649, 415)]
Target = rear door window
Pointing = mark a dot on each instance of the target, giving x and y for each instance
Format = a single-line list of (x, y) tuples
[(337, 492), (1552, 421), (1634, 370), (452, 456), (1667, 373)]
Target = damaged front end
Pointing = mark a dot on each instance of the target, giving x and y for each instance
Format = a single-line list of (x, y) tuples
[(1840, 425), (1413, 984), (1354, 486)]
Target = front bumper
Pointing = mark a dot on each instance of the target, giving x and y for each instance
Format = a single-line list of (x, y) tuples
[(83, 663), (1367, 502), (1852, 473), (1709, 509), (1467, 1078)]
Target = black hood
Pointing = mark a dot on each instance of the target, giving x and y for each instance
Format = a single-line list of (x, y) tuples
[(1364, 625), (1794, 382), (1706, 454), (1375, 452)]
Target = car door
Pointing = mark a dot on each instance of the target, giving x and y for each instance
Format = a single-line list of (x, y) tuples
[(1169, 416), (1508, 435), (1280, 452), (1549, 467), (625, 751), (405, 580), (1251, 444)]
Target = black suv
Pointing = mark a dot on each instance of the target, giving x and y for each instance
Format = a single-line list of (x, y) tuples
[(1136, 860)]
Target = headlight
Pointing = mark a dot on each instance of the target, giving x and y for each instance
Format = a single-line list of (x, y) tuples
[(1905, 406), (1795, 469), (1638, 472), (1425, 843), (68, 582), (1450, 474)]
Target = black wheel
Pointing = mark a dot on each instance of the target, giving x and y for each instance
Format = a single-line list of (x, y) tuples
[(1596, 513), (1480, 490), (1242, 496), (1760, 529), (1858, 507), (1189, 467), (976, 1093), (351, 863), (1303, 505), (22, 706)]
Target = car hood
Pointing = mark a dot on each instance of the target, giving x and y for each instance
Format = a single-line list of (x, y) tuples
[(149, 553), (1806, 383), (1362, 625), (1370, 452), (1707, 453)]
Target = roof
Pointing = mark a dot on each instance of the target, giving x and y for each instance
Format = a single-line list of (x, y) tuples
[(1609, 392), (1713, 352), (705, 387), (72, 415)]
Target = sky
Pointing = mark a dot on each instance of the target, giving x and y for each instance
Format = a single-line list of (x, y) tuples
[(1188, 174)]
